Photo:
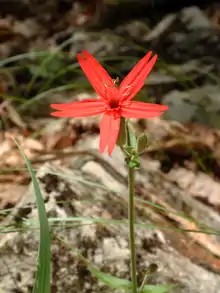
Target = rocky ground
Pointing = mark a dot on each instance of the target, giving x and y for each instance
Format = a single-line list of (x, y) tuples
[(180, 169), (106, 245)]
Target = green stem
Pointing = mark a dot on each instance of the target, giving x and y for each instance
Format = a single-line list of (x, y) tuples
[(131, 216), (131, 229)]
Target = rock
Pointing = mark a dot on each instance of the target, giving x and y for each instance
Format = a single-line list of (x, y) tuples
[(195, 18), (102, 44), (136, 29), (160, 28), (191, 70), (185, 35), (197, 105), (87, 191)]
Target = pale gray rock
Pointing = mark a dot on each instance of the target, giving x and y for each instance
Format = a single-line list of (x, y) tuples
[(195, 18), (200, 105), (89, 190)]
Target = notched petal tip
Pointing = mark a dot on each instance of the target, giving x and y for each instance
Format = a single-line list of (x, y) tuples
[(155, 56), (95, 73), (86, 54), (80, 58), (163, 108), (58, 114), (134, 81)]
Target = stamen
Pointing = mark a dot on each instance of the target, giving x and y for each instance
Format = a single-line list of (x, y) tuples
[(116, 81), (127, 87)]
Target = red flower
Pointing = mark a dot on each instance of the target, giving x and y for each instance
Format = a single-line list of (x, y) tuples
[(113, 102)]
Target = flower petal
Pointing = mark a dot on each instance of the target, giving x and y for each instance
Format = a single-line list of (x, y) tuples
[(84, 108), (114, 131), (71, 105), (96, 74), (142, 110), (134, 81), (135, 71), (100, 71), (104, 132), (109, 129)]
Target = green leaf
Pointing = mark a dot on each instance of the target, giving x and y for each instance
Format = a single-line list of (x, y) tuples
[(131, 138), (142, 143), (129, 150), (134, 164), (110, 280), (42, 280), (157, 288)]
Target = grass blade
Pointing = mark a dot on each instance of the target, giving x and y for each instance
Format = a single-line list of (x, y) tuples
[(42, 279)]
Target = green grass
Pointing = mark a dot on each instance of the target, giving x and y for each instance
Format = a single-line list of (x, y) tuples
[(43, 274)]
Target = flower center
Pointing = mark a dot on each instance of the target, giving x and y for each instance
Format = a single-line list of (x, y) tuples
[(114, 104), (113, 108)]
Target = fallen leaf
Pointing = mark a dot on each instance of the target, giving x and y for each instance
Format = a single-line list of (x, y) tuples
[(10, 194)]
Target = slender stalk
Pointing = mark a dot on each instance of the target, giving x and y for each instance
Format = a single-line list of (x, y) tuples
[(131, 229)]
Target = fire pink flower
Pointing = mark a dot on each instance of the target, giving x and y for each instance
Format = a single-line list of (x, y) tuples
[(113, 102)]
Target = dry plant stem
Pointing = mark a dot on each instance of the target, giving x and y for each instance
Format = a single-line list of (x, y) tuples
[(131, 229)]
